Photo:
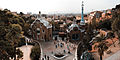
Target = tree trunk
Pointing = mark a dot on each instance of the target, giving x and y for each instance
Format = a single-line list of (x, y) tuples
[(14, 52), (100, 57), (113, 43)]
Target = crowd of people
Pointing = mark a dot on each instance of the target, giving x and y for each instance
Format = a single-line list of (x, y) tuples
[(65, 47)]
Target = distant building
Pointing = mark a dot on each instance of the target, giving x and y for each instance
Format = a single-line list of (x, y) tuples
[(95, 14), (107, 14), (41, 29), (74, 32)]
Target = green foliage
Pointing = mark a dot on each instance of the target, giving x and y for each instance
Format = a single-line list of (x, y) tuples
[(116, 24), (26, 29), (10, 34), (35, 53), (116, 21), (101, 45), (105, 24), (19, 53)]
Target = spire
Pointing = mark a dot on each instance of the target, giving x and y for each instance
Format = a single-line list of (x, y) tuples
[(82, 16), (74, 20), (39, 15)]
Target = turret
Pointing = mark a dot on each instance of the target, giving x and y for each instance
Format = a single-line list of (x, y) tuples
[(82, 22)]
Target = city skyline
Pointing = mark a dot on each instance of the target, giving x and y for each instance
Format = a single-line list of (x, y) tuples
[(57, 6)]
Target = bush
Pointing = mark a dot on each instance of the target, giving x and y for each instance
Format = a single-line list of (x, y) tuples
[(35, 53)]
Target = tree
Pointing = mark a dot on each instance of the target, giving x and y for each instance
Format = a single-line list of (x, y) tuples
[(10, 34), (19, 53), (35, 53), (13, 36), (111, 36), (4, 55), (116, 26), (101, 46), (26, 29), (105, 24), (94, 24), (116, 21)]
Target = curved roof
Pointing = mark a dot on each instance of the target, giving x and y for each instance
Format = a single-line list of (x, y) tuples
[(72, 26), (45, 22)]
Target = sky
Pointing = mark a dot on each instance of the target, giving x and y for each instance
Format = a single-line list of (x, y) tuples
[(57, 6)]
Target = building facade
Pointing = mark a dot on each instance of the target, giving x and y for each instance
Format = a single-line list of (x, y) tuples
[(74, 33), (41, 30)]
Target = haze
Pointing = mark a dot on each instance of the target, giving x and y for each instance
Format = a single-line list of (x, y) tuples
[(57, 6)]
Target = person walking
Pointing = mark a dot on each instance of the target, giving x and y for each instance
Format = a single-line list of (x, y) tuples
[(47, 57)]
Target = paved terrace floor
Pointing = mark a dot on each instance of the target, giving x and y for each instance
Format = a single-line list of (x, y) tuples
[(49, 47)]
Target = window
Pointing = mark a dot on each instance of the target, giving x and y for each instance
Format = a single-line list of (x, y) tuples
[(75, 37), (43, 31)]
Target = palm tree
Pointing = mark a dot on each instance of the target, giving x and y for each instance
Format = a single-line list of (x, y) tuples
[(101, 45), (83, 46), (101, 48)]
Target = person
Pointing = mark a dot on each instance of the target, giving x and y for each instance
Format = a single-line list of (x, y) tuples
[(68, 47), (42, 58), (48, 57), (56, 46), (64, 51), (45, 56), (69, 52), (61, 45), (52, 52)]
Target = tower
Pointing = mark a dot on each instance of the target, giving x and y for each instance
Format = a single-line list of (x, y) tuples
[(82, 22)]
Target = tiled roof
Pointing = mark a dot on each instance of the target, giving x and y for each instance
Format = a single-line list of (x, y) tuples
[(45, 22), (72, 26)]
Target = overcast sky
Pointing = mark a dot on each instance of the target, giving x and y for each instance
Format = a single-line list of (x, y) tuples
[(57, 6)]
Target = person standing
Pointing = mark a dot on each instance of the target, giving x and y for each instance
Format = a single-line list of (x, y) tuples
[(64, 51), (56, 45)]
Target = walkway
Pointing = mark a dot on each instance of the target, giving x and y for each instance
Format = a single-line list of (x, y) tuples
[(49, 47), (115, 56), (26, 51)]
